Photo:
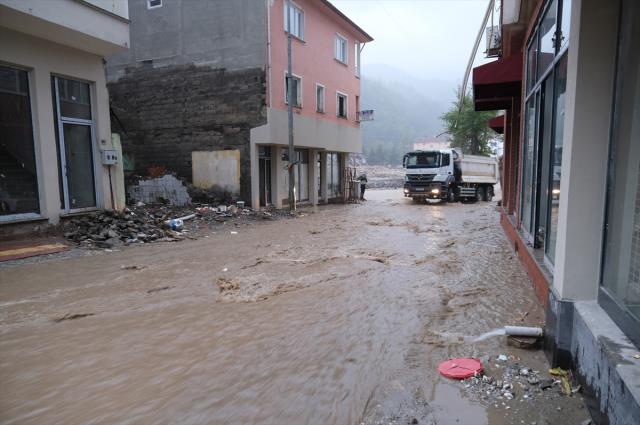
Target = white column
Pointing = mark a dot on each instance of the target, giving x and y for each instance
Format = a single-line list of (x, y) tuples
[(324, 189), (586, 141), (255, 176), (277, 176), (313, 177)]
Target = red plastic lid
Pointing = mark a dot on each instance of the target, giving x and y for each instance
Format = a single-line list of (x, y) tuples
[(461, 368)]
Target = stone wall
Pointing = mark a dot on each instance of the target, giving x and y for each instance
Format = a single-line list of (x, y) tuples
[(163, 114)]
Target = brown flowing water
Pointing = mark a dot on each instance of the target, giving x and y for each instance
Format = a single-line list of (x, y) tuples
[(336, 317)]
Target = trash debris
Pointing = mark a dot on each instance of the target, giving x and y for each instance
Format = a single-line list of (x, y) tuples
[(460, 368), (502, 358), (564, 379), (72, 317), (527, 342), (636, 356), (233, 233), (145, 223), (133, 267)]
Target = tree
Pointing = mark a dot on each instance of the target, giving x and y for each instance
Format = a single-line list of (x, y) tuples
[(469, 129)]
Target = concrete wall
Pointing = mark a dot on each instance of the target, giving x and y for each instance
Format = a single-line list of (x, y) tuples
[(217, 170), (215, 33), (603, 357), (43, 59), (164, 114)]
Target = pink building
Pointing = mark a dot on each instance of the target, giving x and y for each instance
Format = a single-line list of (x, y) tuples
[(203, 77), (326, 51)]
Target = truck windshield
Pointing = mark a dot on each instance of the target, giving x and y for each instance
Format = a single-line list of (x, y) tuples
[(423, 160)]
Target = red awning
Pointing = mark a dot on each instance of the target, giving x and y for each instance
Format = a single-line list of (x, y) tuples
[(495, 84), (497, 124)]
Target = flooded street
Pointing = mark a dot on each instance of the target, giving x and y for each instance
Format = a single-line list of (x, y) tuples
[(339, 316)]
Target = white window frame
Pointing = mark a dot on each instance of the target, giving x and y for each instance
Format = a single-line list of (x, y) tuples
[(324, 96), (346, 104), (346, 49), (286, 74), (358, 64), (149, 6), (296, 32)]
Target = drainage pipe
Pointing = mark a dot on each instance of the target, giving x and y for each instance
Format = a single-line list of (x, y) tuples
[(523, 331)]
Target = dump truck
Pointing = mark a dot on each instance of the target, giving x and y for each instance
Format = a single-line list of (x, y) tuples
[(450, 176)]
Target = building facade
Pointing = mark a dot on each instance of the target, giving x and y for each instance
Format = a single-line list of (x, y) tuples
[(569, 82), (211, 76), (54, 106)]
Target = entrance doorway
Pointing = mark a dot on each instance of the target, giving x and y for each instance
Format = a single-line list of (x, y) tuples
[(264, 169), (75, 133)]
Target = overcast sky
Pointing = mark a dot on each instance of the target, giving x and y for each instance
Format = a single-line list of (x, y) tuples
[(427, 38)]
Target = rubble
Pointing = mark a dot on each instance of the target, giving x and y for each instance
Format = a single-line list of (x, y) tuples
[(512, 381), (146, 223)]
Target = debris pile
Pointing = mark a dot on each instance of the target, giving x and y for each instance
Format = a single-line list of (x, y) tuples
[(512, 381), (154, 223)]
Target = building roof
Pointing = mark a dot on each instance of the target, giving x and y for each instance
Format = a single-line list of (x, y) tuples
[(346, 18)]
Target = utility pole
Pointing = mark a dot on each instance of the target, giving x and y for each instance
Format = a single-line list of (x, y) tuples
[(292, 183)]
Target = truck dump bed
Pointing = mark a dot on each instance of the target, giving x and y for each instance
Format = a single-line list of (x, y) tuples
[(478, 169)]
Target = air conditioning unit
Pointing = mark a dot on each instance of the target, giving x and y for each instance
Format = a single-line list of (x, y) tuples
[(493, 40)]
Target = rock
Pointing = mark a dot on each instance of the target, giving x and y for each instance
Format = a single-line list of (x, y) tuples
[(502, 358), (113, 234), (586, 422), (524, 372), (508, 395), (533, 380), (546, 384)]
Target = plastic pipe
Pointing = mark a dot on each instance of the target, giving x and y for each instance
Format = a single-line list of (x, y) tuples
[(523, 331)]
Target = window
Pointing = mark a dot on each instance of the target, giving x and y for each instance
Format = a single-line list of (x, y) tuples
[(341, 105), (296, 16), (341, 49), (544, 126), (153, 4), (296, 90), (556, 160), (75, 136), (547, 31), (620, 292), (18, 172), (357, 57), (319, 98), (446, 160)]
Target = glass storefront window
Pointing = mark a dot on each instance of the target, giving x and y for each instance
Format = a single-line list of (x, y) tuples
[(528, 164), (547, 31), (621, 268), (565, 23), (532, 55), (556, 157), (18, 175)]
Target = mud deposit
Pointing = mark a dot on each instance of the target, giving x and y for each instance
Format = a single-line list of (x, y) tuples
[(339, 316)]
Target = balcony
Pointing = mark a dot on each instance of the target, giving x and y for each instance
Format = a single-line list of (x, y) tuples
[(100, 27)]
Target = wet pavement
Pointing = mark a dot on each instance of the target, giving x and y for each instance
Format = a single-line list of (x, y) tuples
[(339, 316)]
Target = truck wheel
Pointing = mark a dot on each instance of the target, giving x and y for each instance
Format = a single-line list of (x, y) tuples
[(488, 195), (480, 194)]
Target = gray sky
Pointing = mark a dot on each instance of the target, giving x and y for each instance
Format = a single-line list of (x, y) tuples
[(427, 38)]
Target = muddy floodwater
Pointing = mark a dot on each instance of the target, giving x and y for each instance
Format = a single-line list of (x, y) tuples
[(339, 316)]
